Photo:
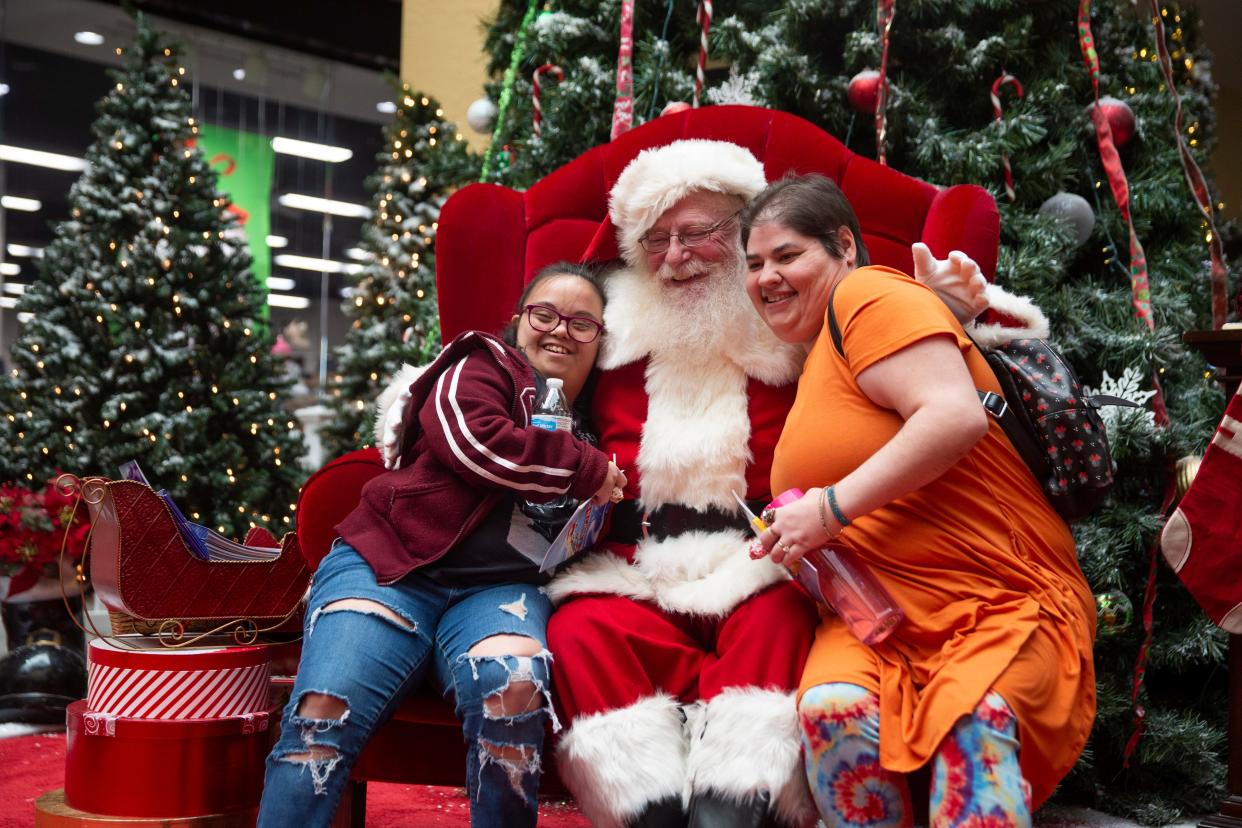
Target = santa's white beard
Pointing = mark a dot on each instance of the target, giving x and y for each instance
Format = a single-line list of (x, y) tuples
[(703, 314)]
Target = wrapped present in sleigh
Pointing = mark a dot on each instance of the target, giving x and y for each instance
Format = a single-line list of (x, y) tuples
[(152, 584)]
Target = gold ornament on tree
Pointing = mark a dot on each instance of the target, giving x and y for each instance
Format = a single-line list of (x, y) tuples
[(1185, 471)]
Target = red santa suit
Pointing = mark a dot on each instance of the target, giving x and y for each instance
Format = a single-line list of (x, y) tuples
[(676, 658)]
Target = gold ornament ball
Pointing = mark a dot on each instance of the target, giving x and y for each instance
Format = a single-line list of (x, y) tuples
[(1186, 469)]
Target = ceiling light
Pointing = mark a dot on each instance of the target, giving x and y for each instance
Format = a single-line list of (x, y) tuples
[(324, 205), (317, 265), (24, 250), (239, 74), (387, 107), (15, 287), (26, 205), (358, 254), (277, 241), (280, 283), (309, 149), (4, 89), (284, 300), (89, 38), (10, 269), (38, 158)]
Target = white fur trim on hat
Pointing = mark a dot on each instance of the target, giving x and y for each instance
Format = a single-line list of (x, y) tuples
[(747, 742), (659, 178), (617, 762)]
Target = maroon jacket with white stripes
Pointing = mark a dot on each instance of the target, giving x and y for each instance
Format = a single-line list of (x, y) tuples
[(470, 442)]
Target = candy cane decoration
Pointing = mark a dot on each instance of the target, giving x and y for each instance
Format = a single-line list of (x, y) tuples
[(703, 17), (884, 11), (537, 92), (996, 112), (623, 106)]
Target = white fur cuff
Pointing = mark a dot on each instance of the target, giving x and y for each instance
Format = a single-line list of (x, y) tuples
[(1034, 323), (616, 763), (748, 742)]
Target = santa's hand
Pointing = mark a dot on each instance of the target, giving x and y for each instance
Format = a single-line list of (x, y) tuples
[(956, 280), (394, 428)]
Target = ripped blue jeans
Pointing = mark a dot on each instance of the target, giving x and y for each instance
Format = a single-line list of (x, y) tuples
[(362, 661)]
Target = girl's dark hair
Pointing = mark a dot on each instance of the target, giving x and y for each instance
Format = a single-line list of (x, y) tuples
[(811, 205), (509, 332)]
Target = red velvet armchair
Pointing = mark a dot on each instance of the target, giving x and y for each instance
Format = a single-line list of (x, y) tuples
[(490, 241)]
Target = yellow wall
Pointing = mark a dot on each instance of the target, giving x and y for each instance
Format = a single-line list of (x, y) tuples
[(442, 55)]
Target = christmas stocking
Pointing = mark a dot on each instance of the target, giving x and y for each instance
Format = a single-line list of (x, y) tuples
[(1203, 539)]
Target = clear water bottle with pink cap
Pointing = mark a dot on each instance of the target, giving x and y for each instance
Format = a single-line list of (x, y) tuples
[(834, 576)]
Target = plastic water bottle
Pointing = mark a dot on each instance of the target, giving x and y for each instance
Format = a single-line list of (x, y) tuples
[(834, 575), (552, 412)]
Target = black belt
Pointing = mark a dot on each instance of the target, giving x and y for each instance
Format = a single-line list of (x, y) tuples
[(629, 521)]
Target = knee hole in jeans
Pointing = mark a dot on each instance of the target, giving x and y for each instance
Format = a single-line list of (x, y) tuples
[(518, 696), (321, 706)]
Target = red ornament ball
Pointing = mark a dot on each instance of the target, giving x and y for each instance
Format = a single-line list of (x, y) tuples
[(864, 90), (673, 107), (1120, 119)]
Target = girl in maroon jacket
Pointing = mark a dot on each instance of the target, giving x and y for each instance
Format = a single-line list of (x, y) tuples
[(433, 575)]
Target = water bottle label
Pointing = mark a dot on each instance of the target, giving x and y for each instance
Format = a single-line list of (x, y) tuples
[(551, 423)]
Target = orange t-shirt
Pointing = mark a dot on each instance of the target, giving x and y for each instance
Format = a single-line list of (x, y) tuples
[(984, 569)]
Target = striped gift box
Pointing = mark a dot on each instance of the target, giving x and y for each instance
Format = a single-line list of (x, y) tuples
[(142, 680)]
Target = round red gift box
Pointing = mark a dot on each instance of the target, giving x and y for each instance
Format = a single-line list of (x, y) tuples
[(162, 767), (142, 679)]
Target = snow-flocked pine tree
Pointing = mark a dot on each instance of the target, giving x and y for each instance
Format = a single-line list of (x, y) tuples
[(392, 303), (148, 338)]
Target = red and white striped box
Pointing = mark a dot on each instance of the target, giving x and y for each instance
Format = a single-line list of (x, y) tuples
[(142, 679)]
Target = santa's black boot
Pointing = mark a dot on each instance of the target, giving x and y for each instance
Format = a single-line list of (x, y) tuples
[(666, 813), (710, 809)]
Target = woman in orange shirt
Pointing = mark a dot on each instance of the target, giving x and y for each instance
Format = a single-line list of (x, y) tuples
[(989, 678)]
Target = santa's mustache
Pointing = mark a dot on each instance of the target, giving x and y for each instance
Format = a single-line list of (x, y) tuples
[(687, 269)]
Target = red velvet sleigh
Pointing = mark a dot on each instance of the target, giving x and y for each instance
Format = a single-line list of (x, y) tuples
[(492, 239)]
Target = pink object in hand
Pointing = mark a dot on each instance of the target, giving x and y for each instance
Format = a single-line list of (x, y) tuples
[(835, 577)]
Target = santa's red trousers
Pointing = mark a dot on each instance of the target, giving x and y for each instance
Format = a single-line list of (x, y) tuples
[(610, 651)]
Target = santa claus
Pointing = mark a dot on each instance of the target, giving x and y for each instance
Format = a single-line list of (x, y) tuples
[(675, 653)]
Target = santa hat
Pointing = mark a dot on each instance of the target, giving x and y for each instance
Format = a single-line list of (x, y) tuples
[(659, 178)]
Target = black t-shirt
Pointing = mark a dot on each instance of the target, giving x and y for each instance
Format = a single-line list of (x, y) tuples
[(509, 544)]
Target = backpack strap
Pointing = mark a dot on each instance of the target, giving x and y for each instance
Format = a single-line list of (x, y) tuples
[(833, 328)]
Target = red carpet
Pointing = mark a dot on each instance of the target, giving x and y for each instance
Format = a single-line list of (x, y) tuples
[(32, 765)]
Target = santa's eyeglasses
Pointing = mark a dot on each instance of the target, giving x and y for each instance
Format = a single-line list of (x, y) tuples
[(690, 237), (545, 320)]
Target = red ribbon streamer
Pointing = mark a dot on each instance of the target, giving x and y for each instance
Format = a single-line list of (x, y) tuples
[(996, 112), (1198, 187), (704, 18), (884, 11), (1140, 663), (623, 107), (537, 92), (1140, 288)]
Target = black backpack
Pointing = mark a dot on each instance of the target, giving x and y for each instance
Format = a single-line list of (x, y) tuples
[(1056, 430)]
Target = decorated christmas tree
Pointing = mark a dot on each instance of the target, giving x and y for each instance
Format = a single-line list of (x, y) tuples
[(392, 302), (147, 338), (981, 92)]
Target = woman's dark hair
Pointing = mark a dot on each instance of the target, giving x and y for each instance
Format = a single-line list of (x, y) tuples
[(811, 205), (509, 332)]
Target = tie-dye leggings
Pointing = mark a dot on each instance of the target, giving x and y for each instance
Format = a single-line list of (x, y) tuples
[(975, 780)]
